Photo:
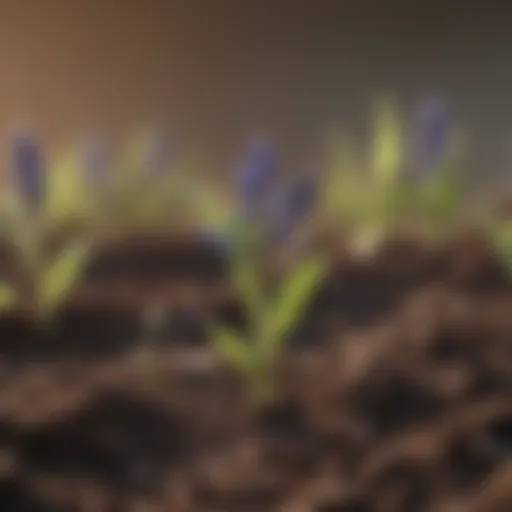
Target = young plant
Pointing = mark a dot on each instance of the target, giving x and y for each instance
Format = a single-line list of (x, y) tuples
[(45, 200), (367, 203), (435, 161), (425, 190), (272, 319), (388, 187), (53, 276)]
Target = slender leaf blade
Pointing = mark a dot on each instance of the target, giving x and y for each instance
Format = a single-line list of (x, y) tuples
[(292, 301), (388, 143), (232, 348), (340, 176), (57, 281), (247, 281), (443, 197), (66, 194)]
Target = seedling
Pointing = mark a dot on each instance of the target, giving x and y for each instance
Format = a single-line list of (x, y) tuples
[(367, 199), (427, 189), (272, 319), (435, 166), (53, 276), (40, 202), (52, 281)]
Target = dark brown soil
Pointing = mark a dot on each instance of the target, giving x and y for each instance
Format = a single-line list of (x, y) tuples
[(394, 393)]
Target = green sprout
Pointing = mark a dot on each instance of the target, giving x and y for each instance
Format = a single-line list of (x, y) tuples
[(437, 151), (426, 192), (368, 202), (52, 275), (67, 198), (54, 280), (272, 319), (388, 145), (51, 280)]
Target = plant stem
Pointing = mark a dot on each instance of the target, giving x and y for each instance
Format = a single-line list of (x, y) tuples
[(262, 381)]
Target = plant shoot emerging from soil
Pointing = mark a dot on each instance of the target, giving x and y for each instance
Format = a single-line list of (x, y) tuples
[(392, 362), (393, 191), (272, 319), (407, 178)]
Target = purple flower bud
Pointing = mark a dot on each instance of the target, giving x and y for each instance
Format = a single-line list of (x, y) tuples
[(294, 203), (301, 197), (430, 135), (28, 169), (257, 178)]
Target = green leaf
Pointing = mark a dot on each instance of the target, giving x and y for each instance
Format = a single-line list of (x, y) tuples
[(290, 305), (388, 143), (66, 194), (57, 281), (341, 175), (232, 348), (8, 297), (443, 197), (354, 200), (390, 205), (247, 281)]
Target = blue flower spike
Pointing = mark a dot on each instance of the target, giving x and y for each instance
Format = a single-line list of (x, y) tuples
[(431, 134), (28, 169), (295, 202), (257, 179)]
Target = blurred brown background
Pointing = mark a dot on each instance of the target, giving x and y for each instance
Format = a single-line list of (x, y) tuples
[(212, 71)]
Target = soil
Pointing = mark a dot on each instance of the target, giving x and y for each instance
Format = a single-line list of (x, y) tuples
[(394, 394)]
